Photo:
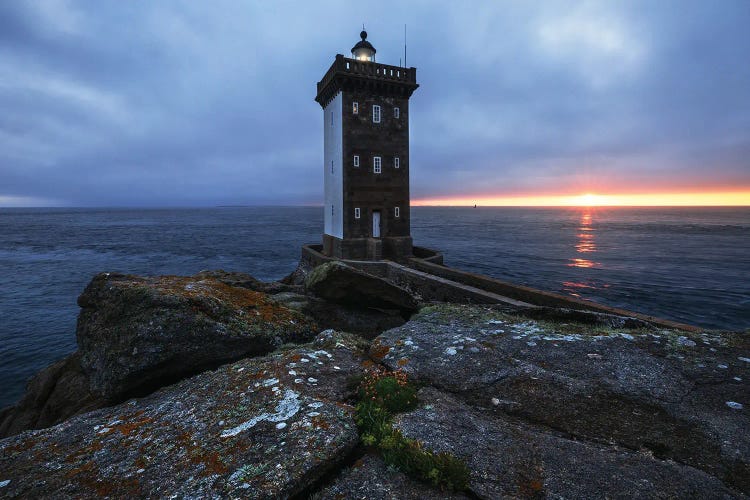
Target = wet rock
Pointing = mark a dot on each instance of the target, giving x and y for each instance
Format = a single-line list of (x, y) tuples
[(343, 284), (258, 427), (54, 394), (136, 334), (371, 479), (509, 459), (640, 389)]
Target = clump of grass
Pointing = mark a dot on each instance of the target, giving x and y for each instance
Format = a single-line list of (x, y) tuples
[(383, 394)]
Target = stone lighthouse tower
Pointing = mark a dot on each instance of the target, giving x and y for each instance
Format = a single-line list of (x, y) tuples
[(366, 156)]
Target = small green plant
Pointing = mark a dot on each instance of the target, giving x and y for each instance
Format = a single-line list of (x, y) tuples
[(382, 394)]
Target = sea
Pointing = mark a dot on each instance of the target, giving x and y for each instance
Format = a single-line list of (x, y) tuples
[(686, 264)]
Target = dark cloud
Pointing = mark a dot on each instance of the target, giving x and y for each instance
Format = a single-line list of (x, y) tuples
[(186, 103)]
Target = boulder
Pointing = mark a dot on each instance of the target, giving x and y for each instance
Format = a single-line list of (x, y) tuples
[(136, 334), (54, 394), (679, 396), (343, 284), (510, 459), (266, 427)]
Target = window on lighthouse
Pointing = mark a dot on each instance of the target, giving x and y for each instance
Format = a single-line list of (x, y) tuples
[(376, 114), (397, 212), (356, 160), (355, 108), (376, 165), (357, 213), (396, 112), (396, 162)]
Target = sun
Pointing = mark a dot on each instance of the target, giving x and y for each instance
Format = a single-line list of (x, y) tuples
[(589, 200)]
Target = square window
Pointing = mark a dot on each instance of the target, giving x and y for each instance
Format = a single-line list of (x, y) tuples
[(355, 108), (376, 165), (396, 162), (357, 213), (356, 160), (396, 112), (397, 212), (376, 114)]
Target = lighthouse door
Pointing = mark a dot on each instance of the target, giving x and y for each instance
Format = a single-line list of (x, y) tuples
[(376, 224)]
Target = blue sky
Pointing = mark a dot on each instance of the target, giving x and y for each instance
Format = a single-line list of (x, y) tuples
[(184, 103)]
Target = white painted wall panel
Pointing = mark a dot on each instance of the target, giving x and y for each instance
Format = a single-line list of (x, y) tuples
[(333, 137)]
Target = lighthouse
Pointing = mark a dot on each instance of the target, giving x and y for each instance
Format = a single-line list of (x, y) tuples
[(366, 156)]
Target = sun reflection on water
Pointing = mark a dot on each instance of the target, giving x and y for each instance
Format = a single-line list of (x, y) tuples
[(586, 243)]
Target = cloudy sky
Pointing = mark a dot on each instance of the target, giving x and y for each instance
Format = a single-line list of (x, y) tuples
[(185, 103)]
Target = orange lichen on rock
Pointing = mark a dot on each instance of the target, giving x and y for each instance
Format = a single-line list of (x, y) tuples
[(379, 351)]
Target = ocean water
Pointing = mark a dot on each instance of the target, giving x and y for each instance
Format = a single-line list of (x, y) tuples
[(687, 264)]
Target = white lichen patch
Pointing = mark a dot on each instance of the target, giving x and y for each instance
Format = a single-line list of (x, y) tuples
[(746, 360), (114, 422), (735, 405), (451, 351), (316, 404), (722, 367), (104, 430), (292, 373), (280, 425), (496, 322), (738, 379), (312, 380), (285, 409), (270, 381), (5, 483), (685, 342)]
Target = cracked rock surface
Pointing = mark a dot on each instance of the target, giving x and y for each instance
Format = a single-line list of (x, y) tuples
[(655, 391), (263, 428)]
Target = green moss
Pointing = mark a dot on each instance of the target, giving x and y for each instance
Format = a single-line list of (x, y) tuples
[(381, 396)]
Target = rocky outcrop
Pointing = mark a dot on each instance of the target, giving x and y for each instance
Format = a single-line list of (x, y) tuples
[(263, 428), (537, 402), (54, 394), (135, 334), (626, 392), (342, 284), (511, 459)]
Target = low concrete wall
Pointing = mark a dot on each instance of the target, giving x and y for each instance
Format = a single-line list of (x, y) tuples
[(534, 296), (434, 281)]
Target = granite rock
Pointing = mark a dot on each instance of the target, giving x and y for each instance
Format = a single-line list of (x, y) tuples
[(263, 428), (510, 459), (136, 334), (662, 391), (342, 284)]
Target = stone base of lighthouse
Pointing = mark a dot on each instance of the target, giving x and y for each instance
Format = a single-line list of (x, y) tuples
[(391, 248)]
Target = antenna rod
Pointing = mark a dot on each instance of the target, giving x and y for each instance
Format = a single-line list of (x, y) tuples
[(405, 66)]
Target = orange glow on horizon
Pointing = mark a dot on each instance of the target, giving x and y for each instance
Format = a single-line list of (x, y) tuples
[(730, 198)]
